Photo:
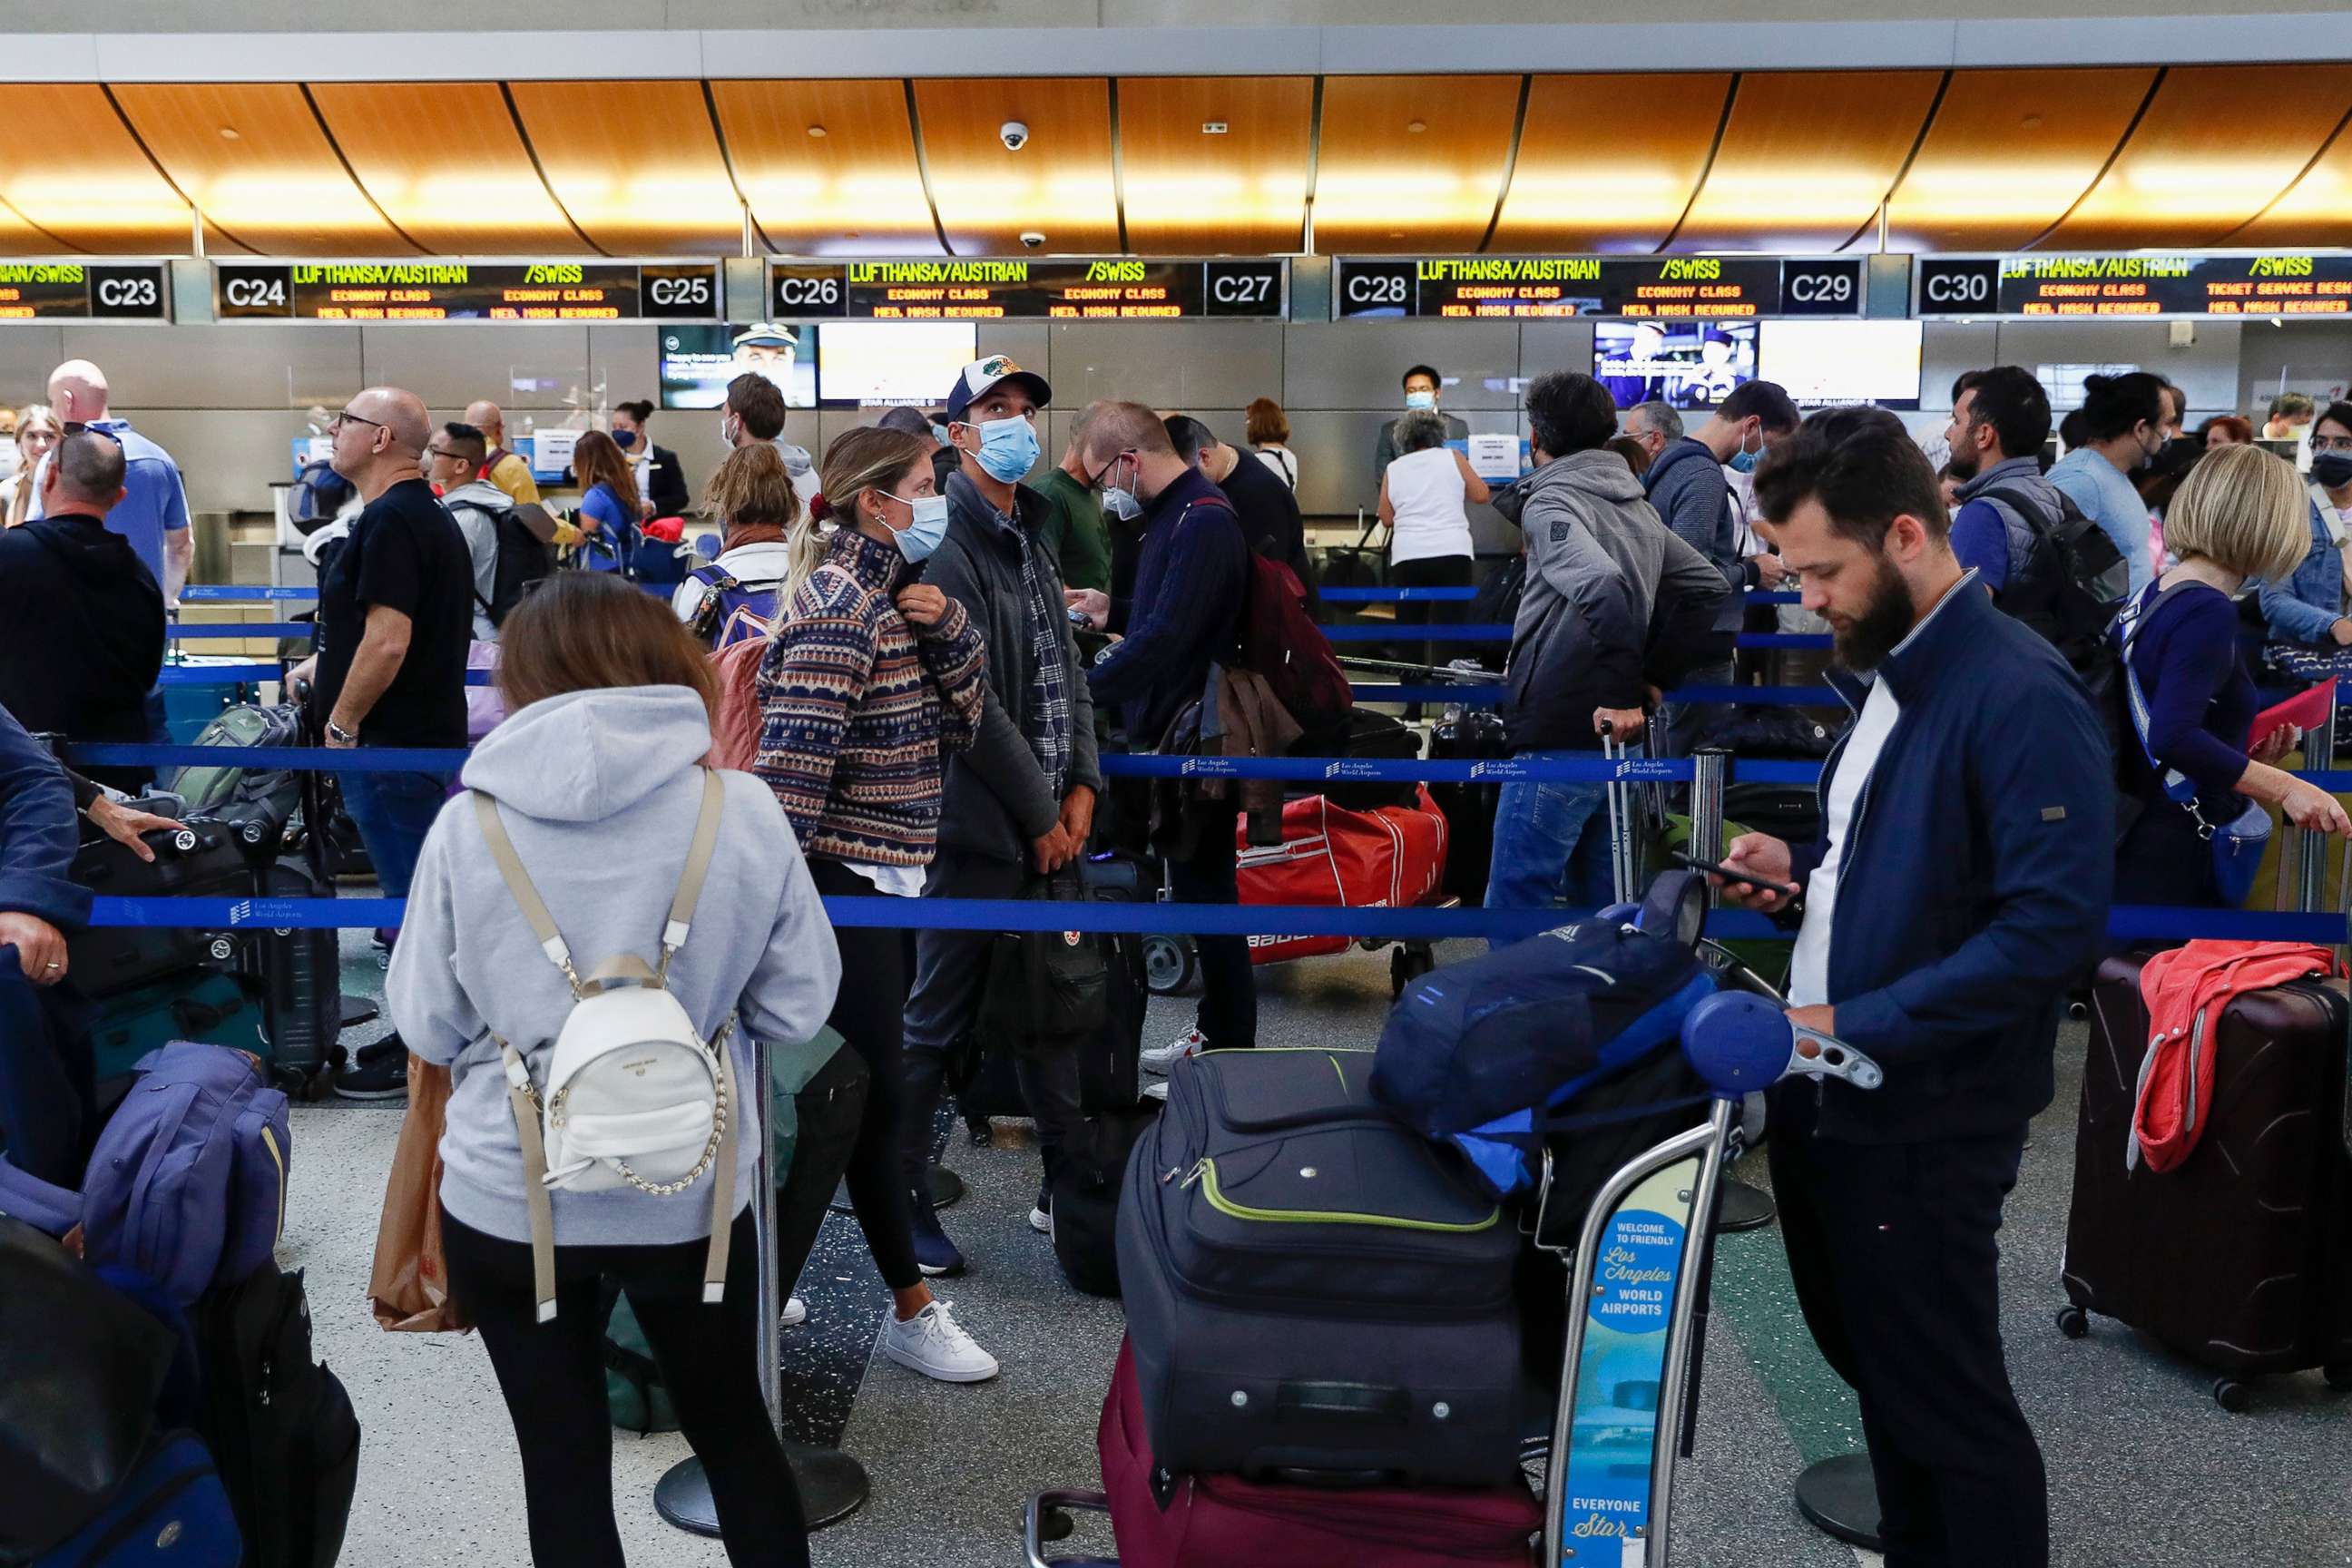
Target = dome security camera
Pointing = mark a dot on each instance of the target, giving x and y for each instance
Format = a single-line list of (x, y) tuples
[(1014, 134), (1033, 239)]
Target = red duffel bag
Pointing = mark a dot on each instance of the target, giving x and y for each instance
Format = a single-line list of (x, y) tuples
[(1331, 858)]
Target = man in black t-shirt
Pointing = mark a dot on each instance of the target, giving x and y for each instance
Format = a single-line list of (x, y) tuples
[(395, 615)]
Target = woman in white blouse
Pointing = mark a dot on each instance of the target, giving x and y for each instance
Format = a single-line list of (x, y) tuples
[(1424, 497)]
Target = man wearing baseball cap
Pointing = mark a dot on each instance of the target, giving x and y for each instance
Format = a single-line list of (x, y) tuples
[(1020, 803)]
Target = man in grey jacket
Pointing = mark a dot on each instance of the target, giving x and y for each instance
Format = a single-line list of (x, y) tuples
[(1020, 803)]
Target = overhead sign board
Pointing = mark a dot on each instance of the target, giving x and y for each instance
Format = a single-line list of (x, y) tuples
[(2062, 285), (432, 290), (1538, 288), (1119, 288), (83, 291)]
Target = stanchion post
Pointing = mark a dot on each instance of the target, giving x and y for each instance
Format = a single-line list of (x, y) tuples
[(2319, 757), (1710, 765)]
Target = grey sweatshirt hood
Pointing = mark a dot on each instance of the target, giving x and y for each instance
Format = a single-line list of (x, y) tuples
[(477, 492), (1600, 475), (584, 755)]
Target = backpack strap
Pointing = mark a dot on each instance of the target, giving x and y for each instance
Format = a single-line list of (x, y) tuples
[(526, 896), (524, 1102), (698, 867)]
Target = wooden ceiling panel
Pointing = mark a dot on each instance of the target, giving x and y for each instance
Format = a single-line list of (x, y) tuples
[(635, 163), (1806, 158), (1608, 163), (1059, 185), (1241, 191), (854, 190), (94, 190), (2010, 151), (1381, 185), (2317, 211), (2217, 145), (18, 237), (254, 158), (444, 162)]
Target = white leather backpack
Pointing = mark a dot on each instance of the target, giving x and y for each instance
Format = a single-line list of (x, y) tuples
[(634, 1095)]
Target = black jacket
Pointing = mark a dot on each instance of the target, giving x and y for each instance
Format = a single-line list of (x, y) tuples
[(85, 633), (1270, 518), (996, 798), (667, 484)]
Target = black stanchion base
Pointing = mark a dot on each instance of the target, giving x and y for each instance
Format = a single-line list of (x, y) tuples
[(1839, 1498), (1744, 1208), (947, 1189), (358, 1010), (832, 1486)]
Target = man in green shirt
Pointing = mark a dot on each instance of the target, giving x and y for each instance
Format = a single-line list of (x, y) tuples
[(1071, 530)]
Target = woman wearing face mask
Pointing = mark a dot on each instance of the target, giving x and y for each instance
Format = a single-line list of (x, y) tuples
[(871, 679), (659, 477), (37, 435), (608, 505), (2309, 606), (1422, 501)]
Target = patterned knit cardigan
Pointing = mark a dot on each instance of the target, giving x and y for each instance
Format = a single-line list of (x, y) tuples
[(859, 709)]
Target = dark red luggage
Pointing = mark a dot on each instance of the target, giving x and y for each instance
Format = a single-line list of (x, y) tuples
[(1224, 1522), (2240, 1258)]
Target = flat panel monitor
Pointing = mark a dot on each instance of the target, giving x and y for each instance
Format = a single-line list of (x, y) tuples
[(909, 362), (698, 361), (1823, 365), (1687, 365)]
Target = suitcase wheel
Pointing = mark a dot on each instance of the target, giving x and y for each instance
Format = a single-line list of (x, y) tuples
[(2073, 1322), (1170, 964), (1408, 963), (2338, 1375), (2233, 1396)]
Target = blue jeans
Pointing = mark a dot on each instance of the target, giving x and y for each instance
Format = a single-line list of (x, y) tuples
[(1551, 845), (393, 812)]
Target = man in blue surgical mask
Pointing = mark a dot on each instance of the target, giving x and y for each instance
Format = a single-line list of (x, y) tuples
[(1021, 800), (1422, 389)]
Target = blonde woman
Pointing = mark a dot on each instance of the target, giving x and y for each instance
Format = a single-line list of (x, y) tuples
[(2242, 513), (736, 596), (38, 432), (873, 677)]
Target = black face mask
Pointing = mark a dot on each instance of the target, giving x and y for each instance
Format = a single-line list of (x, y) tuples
[(2332, 469)]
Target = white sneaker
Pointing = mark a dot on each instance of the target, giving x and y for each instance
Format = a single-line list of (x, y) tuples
[(1160, 1058), (795, 1312), (1157, 1091), (1041, 1220), (934, 1343)]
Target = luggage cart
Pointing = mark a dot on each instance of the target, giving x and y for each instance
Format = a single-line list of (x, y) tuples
[(1627, 1408)]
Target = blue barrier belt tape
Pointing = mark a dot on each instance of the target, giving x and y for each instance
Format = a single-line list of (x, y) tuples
[(325, 759), (236, 592), (1396, 596), (1775, 596), (2128, 922), (1787, 639), (250, 629), (1468, 696), (1391, 632), (245, 674), (1760, 696)]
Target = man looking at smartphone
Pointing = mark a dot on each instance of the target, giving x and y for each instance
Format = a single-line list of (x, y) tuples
[(1958, 885)]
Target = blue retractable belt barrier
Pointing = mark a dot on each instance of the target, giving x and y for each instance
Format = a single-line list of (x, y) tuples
[(1488, 694), (1464, 595), (1482, 696), (241, 674), (233, 591), (1390, 631), (224, 629)]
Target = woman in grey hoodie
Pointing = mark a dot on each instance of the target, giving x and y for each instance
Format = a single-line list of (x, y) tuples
[(596, 777)]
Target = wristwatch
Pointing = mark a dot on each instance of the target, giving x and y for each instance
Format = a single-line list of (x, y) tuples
[(337, 733)]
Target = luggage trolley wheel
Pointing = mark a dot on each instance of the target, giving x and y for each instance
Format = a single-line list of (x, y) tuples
[(2233, 1396), (1170, 964), (1408, 962), (2073, 1322)]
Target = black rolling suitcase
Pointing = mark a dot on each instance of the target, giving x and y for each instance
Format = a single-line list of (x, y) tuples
[(1475, 735), (1311, 1286), (1373, 736), (2240, 1258), (205, 859), (298, 975)]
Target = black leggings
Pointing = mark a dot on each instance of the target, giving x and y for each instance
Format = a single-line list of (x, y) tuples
[(869, 1013), (552, 1375)]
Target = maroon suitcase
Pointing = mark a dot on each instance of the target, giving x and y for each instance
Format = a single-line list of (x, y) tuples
[(1224, 1522), (2240, 1258)]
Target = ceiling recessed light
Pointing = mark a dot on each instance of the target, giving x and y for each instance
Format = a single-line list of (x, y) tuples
[(229, 133), (817, 132), (1416, 126), (1213, 128)]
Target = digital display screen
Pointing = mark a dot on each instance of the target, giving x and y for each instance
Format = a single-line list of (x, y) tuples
[(82, 291), (1687, 365), (979, 290), (435, 290), (2278, 284), (1823, 365), (698, 361), (1538, 288), (912, 362)]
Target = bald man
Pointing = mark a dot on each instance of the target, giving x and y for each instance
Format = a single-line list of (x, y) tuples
[(503, 469), (153, 512), (396, 615)]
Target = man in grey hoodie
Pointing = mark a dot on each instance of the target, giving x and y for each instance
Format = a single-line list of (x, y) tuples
[(1614, 605), (755, 413), (453, 464)]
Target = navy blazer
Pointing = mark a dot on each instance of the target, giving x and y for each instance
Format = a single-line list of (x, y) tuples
[(1973, 888)]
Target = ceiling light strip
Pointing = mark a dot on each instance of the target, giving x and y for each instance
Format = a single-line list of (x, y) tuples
[(522, 134), (1935, 107), (1714, 150), (923, 166), (2113, 154), (2301, 174), (353, 175), (1510, 163), (727, 157), (165, 175)]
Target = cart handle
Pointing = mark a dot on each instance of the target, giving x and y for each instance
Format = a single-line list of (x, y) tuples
[(1740, 1043), (1033, 1525)]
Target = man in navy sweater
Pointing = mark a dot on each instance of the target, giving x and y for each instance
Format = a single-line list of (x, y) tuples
[(1190, 583), (1958, 886)]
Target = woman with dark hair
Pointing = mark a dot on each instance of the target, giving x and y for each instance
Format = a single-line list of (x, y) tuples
[(871, 679), (663, 481), (2122, 426), (2309, 606), (609, 702), (607, 517)]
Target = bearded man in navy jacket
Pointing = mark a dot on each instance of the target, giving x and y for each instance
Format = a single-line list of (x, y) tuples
[(1957, 888)]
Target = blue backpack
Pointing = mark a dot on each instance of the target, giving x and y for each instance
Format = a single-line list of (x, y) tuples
[(1495, 1054), (318, 494), (731, 612), (187, 1185)]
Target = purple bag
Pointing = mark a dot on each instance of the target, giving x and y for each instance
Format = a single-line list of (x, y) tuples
[(48, 1208), (187, 1185)]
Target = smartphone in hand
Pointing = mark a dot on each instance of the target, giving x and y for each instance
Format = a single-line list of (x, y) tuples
[(1745, 878)]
